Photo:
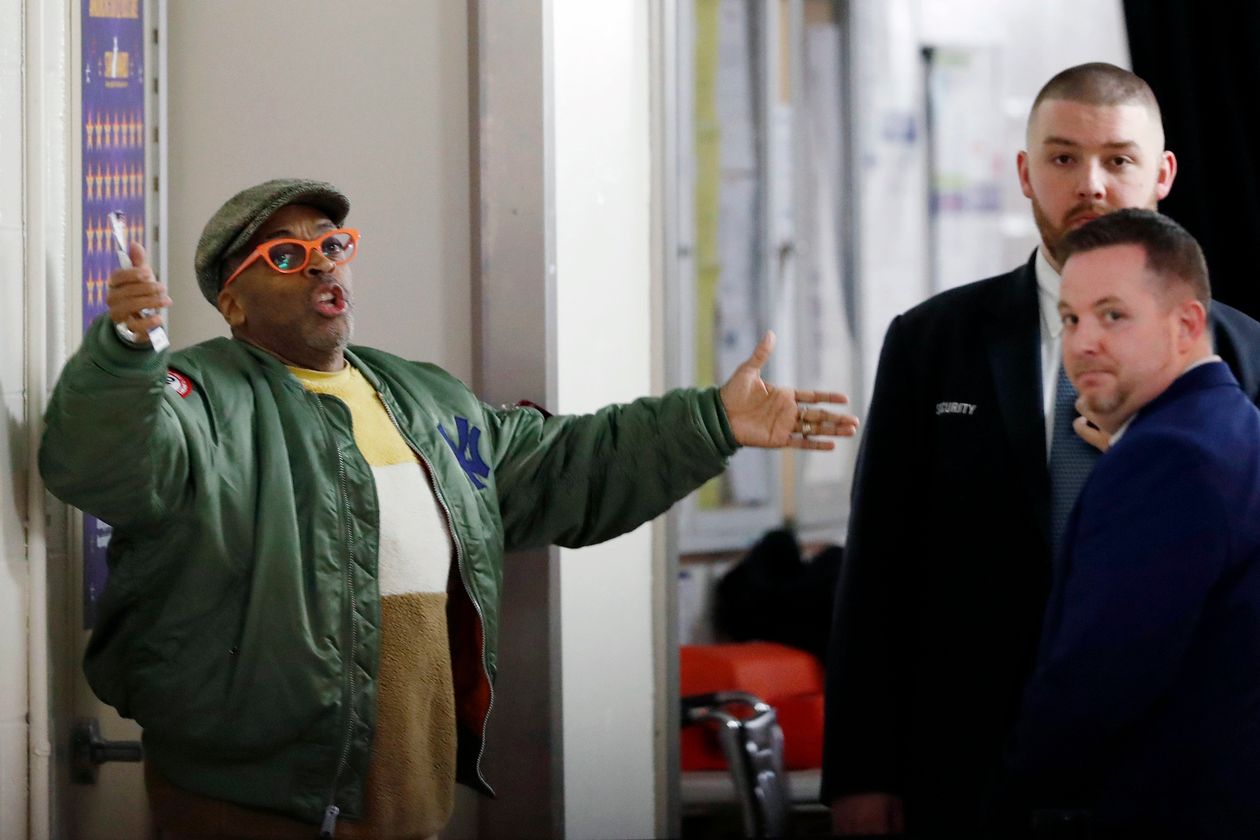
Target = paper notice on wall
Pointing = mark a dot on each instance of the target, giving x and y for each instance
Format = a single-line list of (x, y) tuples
[(967, 165)]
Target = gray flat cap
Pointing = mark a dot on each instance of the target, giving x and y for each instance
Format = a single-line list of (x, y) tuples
[(232, 225)]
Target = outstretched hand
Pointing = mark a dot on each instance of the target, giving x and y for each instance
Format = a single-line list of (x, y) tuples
[(769, 416)]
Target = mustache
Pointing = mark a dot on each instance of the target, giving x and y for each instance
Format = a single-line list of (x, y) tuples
[(1085, 208)]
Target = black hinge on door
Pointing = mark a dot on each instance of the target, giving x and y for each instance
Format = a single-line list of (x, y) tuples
[(88, 751)]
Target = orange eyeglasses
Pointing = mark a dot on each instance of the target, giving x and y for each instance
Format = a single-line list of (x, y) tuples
[(289, 256)]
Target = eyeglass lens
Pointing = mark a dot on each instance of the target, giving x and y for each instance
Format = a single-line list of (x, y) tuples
[(291, 256)]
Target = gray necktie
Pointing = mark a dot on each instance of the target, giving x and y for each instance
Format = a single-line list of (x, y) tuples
[(1071, 459)]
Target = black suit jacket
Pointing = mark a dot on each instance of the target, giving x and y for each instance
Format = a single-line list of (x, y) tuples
[(947, 562)]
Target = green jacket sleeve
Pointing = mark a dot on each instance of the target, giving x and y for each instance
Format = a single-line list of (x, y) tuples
[(579, 480), (112, 444)]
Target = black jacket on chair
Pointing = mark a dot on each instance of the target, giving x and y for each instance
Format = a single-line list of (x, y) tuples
[(947, 564)]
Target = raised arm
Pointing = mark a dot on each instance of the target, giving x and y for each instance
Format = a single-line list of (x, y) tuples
[(112, 445)]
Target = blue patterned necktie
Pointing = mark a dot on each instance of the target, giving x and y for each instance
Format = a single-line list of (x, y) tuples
[(1071, 459)]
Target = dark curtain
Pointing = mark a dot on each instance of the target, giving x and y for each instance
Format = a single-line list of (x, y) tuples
[(1202, 59)]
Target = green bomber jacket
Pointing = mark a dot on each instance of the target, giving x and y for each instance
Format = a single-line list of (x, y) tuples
[(239, 625)]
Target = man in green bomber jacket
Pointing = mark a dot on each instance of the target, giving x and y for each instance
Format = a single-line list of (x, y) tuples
[(303, 603)]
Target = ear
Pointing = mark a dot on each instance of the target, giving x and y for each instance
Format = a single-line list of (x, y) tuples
[(230, 307), (1021, 166), (1167, 173), (1191, 323)]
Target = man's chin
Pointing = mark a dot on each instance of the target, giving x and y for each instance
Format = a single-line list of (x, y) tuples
[(335, 335), (1100, 405)]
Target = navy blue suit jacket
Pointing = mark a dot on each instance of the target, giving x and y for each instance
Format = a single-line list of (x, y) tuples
[(947, 564), (1145, 701)]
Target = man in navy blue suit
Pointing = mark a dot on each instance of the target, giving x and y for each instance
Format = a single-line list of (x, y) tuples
[(1144, 707)]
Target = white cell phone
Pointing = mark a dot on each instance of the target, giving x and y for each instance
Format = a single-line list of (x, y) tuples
[(118, 224)]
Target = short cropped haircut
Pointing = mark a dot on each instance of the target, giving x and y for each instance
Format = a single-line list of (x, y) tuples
[(1172, 254), (1098, 83)]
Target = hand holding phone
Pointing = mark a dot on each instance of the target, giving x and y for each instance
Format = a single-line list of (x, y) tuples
[(158, 339)]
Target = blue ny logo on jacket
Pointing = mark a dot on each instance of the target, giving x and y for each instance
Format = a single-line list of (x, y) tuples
[(466, 451)]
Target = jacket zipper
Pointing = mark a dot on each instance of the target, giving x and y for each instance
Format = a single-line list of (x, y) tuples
[(459, 564), (329, 826)]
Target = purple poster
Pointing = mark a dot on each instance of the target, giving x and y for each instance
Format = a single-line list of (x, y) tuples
[(113, 153)]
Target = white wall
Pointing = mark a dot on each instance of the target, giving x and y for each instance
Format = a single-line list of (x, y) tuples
[(372, 97), (13, 566), (34, 250), (604, 355)]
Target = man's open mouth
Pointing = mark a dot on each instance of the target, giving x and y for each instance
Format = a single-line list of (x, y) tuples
[(330, 301)]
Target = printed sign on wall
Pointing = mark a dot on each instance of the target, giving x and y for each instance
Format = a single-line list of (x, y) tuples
[(113, 154)]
